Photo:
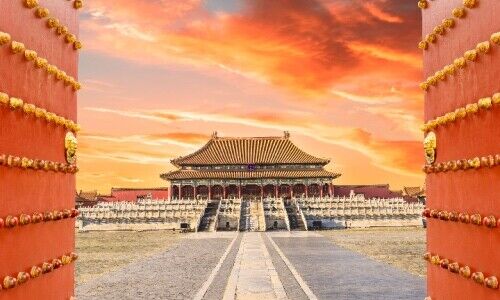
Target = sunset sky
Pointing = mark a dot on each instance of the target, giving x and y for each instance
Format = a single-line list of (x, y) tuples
[(161, 75)]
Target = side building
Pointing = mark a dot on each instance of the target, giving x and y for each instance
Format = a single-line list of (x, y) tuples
[(130, 195), (135, 194)]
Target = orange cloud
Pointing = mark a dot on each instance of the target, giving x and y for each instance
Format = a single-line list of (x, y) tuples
[(389, 155), (181, 139), (411, 59), (406, 155), (303, 47), (356, 55), (152, 14), (381, 15), (185, 137), (108, 152)]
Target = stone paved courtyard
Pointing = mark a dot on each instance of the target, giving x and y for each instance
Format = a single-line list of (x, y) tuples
[(271, 265)]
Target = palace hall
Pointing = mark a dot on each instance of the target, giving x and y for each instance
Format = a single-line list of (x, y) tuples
[(250, 168), (250, 184)]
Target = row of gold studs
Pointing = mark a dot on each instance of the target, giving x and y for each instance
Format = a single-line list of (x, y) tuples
[(461, 112), (31, 109), (438, 30), (77, 4), (476, 219), (463, 164), (40, 62), (36, 164), (25, 219), (446, 24), (461, 62), (423, 4), (465, 271), (10, 282), (42, 12)]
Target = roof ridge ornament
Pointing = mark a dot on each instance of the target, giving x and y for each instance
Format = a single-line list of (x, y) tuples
[(286, 134), (214, 135)]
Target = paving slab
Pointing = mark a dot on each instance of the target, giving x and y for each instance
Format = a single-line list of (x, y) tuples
[(292, 287), (218, 285), (177, 273), (333, 272), (253, 275), (293, 234), (211, 235), (273, 265)]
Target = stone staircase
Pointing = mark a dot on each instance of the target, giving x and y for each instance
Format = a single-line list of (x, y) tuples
[(255, 216), (295, 217), (245, 216), (209, 218)]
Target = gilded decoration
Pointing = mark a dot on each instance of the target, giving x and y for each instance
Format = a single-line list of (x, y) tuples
[(430, 145), (71, 145)]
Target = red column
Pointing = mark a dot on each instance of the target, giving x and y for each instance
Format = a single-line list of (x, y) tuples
[(224, 192), (291, 191), (330, 190), (321, 192), (180, 191), (239, 191), (261, 192), (306, 187), (209, 192), (276, 191)]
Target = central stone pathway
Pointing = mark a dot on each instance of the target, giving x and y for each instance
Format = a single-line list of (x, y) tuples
[(253, 275), (254, 265)]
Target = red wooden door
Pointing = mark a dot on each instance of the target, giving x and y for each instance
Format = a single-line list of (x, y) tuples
[(476, 189), (33, 190)]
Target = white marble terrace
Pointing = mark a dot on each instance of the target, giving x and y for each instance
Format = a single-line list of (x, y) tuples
[(186, 214)]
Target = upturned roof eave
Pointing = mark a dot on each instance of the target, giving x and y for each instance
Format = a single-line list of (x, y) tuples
[(324, 162), (169, 175)]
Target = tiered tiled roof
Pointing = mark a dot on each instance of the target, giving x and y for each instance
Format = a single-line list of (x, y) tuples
[(248, 150), (264, 152), (86, 198), (88, 195), (414, 191), (257, 174)]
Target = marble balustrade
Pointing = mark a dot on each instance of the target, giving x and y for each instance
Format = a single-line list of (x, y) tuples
[(331, 212)]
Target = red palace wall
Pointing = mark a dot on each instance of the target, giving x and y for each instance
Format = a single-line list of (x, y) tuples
[(369, 191), (130, 195), (475, 190), (26, 190)]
